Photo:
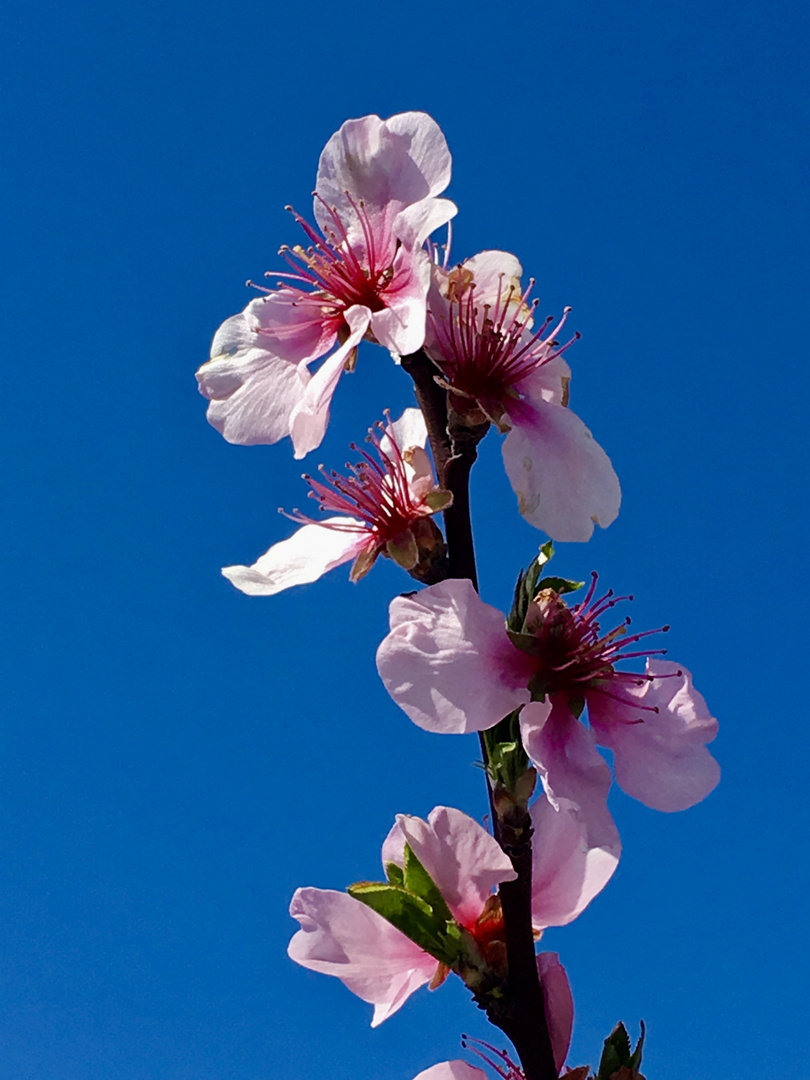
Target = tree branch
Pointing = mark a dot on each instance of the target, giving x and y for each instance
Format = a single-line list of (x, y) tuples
[(520, 1013)]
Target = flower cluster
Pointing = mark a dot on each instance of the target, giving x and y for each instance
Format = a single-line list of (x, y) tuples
[(544, 686)]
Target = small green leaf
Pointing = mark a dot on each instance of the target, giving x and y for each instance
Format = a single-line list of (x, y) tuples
[(411, 901), (439, 499), (617, 1061), (507, 758), (418, 881), (616, 1052), (394, 873), (559, 585), (546, 552), (635, 1057), (408, 913), (526, 588)]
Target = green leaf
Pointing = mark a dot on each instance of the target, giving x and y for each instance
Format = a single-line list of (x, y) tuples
[(526, 588), (411, 902), (394, 873), (439, 499), (616, 1055), (616, 1052), (546, 552), (560, 585), (418, 881), (635, 1057), (408, 913), (507, 759)]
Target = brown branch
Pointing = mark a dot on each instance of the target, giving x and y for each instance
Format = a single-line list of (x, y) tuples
[(524, 1019), (520, 1013)]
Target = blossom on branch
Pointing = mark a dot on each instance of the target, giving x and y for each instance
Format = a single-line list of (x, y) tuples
[(497, 366), (458, 865), (363, 272), (392, 493), (453, 666)]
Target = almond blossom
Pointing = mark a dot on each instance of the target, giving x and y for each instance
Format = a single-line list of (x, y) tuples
[(392, 492), (498, 367), (342, 936), (362, 272), (452, 665)]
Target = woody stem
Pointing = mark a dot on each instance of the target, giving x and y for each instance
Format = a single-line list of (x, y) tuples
[(520, 1014)]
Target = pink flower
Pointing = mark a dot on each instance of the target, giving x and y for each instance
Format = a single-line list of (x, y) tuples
[(341, 936), (450, 663), (497, 366), (365, 274), (392, 499)]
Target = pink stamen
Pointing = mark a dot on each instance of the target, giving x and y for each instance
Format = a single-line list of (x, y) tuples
[(503, 1066), (577, 657), (376, 490), (332, 272), (486, 351)]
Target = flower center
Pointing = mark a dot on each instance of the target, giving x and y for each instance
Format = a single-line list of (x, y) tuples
[(339, 270), (570, 654), (486, 349), (377, 491)]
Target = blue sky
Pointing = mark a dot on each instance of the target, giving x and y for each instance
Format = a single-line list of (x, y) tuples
[(175, 758)]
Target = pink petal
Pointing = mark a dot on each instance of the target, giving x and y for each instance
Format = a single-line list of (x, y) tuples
[(464, 860), (400, 325), (565, 755), (252, 391), (427, 150), (310, 416), (386, 165), (496, 274), (452, 1070), (304, 557), (568, 868), (447, 661), (559, 1004), (341, 936), (562, 477), (659, 758), (292, 326)]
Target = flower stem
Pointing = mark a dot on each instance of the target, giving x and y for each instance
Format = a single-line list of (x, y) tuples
[(520, 1013)]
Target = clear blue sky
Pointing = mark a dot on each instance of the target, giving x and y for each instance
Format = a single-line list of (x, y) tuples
[(175, 758)]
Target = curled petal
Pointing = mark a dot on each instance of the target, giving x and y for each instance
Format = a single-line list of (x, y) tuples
[(340, 936), (447, 661), (307, 555), (559, 1004), (568, 869), (400, 325), (659, 757), (464, 860), (415, 223), (562, 477), (310, 416)]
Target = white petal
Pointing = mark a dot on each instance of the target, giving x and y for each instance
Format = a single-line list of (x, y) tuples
[(303, 558)]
